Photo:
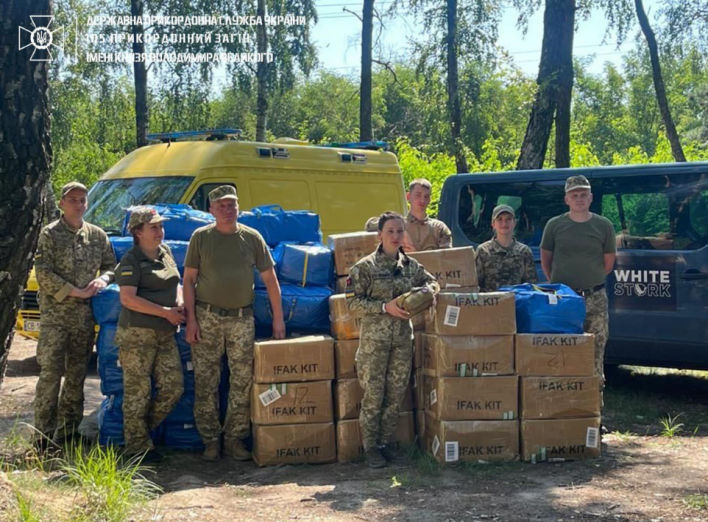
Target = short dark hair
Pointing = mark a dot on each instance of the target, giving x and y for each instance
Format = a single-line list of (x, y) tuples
[(388, 216), (420, 182)]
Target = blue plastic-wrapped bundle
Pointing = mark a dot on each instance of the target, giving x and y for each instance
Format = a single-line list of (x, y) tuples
[(183, 220), (110, 421), (188, 374), (182, 436), (277, 225), (548, 308), (121, 245), (106, 305), (111, 375), (184, 348), (257, 279), (305, 265), (106, 342), (305, 309)]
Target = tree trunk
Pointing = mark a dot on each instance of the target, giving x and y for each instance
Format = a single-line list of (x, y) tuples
[(140, 71), (26, 157), (51, 210), (558, 19), (366, 131), (565, 91), (261, 76), (671, 132), (453, 91)]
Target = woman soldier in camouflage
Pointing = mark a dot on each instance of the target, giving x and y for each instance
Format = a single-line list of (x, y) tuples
[(385, 353), (152, 309)]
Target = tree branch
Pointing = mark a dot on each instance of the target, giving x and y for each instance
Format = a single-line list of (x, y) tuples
[(352, 12), (389, 69)]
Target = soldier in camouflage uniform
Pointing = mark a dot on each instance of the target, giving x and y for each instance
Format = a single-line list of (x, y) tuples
[(74, 261), (152, 310), (385, 351), (218, 292), (503, 261)]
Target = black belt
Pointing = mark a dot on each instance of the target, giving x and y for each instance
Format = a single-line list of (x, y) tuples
[(246, 311), (587, 291)]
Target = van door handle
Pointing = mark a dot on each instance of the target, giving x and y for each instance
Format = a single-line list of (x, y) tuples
[(692, 274)]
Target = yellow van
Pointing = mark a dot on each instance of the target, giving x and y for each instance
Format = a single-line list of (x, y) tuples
[(345, 186)]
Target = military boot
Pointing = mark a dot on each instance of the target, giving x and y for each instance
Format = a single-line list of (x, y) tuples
[(235, 449), (374, 459), (391, 453), (212, 452)]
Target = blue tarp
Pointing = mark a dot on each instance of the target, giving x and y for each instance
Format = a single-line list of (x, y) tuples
[(182, 436), (121, 245), (277, 225), (110, 423), (111, 376), (305, 265), (304, 309), (183, 220), (548, 308), (106, 305), (106, 342)]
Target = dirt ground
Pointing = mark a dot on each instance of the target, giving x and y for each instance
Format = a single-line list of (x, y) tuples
[(643, 475)]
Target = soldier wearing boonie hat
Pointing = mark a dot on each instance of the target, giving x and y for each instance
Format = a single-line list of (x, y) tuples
[(218, 290), (74, 260), (503, 261), (152, 311), (578, 249)]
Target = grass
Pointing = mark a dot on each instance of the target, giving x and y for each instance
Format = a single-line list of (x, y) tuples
[(25, 511), (670, 426), (698, 501)]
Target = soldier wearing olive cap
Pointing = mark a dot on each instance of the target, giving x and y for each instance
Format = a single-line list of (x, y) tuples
[(578, 249), (218, 291), (74, 260), (152, 310), (503, 261)]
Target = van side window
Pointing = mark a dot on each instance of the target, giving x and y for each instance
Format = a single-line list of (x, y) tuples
[(200, 201), (534, 202), (656, 212)]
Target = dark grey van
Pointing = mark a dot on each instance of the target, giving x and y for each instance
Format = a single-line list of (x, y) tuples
[(658, 292)]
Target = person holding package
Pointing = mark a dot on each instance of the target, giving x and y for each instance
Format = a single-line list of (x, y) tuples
[(384, 357), (503, 261), (151, 297), (578, 249), (74, 261), (422, 232), (218, 295)]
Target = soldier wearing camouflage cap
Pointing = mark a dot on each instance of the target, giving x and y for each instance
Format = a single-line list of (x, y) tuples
[(219, 295), (503, 261), (384, 358), (578, 249), (74, 261), (152, 310)]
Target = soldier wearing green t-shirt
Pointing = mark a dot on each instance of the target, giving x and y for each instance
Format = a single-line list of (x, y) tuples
[(218, 299), (578, 249)]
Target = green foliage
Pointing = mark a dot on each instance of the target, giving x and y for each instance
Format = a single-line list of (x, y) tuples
[(670, 426), (698, 501)]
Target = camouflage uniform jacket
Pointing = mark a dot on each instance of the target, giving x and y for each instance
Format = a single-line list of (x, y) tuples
[(66, 259), (376, 279), (499, 266)]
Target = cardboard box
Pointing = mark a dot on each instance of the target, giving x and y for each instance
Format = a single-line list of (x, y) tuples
[(418, 350), (300, 359), (559, 397), (420, 427), (294, 444), (452, 267), (470, 356), (344, 323), (345, 358), (555, 354), (350, 447), (350, 248), (348, 395), (472, 441), (463, 398), (418, 322), (292, 403), (341, 284), (492, 313), (560, 440), (418, 387)]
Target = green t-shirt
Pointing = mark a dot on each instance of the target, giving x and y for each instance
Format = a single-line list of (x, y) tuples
[(578, 250), (156, 280), (225, 263)]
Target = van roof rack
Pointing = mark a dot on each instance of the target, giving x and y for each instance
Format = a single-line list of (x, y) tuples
[(209, 134), (365, 145)]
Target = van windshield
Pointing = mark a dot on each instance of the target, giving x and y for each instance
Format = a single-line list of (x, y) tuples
[(109, 198)]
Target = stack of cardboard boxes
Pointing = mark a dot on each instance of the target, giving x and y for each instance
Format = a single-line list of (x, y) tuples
[(291, 401), (470, 391), (560, 397)]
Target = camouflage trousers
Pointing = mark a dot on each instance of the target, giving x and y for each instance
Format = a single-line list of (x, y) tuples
[(383, 364), (64, 350), (146, 353), (597, 323), (233, 336)]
